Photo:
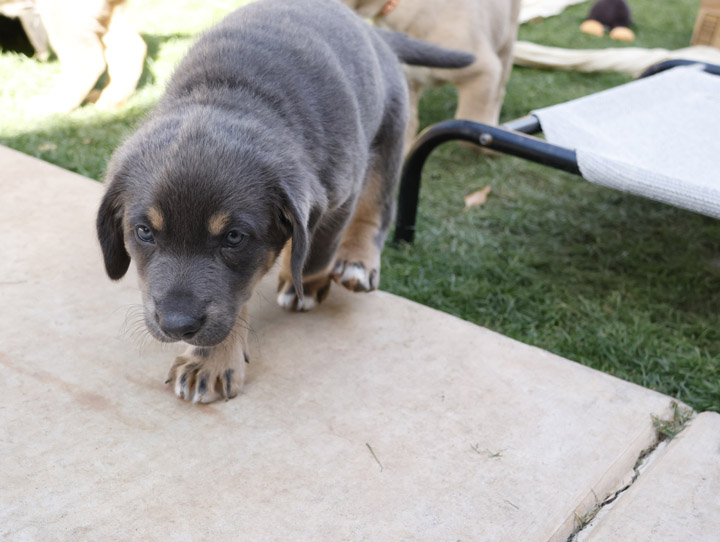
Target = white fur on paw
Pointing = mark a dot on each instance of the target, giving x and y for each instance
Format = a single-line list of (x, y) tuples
[(286, 300), (290, 301), (355, 277)]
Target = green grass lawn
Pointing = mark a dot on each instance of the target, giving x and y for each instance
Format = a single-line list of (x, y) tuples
[(619, 283)]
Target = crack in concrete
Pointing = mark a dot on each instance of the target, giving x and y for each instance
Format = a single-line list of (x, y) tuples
[(663, 437), (585, 520)]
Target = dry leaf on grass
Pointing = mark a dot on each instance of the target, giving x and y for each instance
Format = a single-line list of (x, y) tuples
[(477, 198)]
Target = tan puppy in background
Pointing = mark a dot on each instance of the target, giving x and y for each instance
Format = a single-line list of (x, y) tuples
[(90, 36), (486, 28)]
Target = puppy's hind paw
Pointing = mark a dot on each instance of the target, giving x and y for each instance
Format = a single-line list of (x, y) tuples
[(289, 300), (314, 291), (355, 276)]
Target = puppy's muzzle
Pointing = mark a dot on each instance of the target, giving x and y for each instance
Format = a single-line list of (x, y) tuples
[(180, 317)]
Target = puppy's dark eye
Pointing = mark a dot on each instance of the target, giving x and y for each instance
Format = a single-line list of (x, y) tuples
[(144, 234), (233, 239)]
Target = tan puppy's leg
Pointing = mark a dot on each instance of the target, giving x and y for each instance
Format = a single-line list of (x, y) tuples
[(415, 93), (480, 98), (125, 55), (204, 374), (505, 55), (74, 32)]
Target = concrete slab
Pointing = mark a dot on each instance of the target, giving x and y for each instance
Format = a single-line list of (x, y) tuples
[(371, 418), (677, 498)]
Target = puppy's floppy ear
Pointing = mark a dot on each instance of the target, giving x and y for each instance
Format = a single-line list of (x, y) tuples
[(295, 212), (110, 231), (300, 244)]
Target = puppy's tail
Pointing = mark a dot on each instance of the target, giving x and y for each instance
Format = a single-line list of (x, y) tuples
[(420, 53)]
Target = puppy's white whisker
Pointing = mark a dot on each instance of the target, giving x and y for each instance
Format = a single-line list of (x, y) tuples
[(259, 293), (134, 325)]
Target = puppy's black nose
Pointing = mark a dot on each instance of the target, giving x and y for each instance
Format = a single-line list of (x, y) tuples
[(179, 325)]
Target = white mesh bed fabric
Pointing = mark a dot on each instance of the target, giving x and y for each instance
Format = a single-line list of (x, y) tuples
[(657, 137)]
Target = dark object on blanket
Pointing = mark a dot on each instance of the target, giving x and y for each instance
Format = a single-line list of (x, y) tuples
[(611, 14)]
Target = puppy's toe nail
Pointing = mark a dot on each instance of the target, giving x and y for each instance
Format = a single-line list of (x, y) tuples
[(183, 385), (179, 390), (373, 279), (202, 385), (227, 387), (201, 389)]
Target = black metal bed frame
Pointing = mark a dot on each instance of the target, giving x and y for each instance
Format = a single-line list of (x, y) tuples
[(511, 138)]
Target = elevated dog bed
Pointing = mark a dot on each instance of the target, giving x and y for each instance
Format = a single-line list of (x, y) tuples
[(655, 137)]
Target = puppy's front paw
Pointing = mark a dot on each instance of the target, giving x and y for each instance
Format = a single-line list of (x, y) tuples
[(204, 375), (314, 292), (355, 276)]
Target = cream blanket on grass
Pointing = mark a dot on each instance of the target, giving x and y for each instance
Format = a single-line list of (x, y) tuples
[(628, 60), (538, 9)]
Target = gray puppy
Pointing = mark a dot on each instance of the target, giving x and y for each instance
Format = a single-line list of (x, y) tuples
[(281, 131)]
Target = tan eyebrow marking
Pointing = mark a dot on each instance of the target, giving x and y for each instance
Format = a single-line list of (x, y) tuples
[(156, 218), (217, 223)]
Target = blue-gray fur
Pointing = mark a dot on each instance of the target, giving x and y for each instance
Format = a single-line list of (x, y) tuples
[(277, 116)]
